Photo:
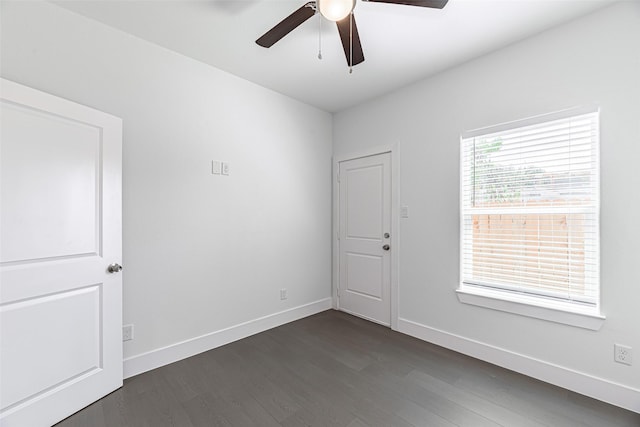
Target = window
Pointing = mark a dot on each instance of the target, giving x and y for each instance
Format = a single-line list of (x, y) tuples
[(530, 212)]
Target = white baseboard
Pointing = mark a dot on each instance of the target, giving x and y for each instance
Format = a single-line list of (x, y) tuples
[(172, 353), (588, 385)]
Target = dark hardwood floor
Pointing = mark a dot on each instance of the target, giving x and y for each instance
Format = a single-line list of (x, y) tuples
[(333, 369)]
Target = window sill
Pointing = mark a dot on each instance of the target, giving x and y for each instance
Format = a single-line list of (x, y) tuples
[(552, 311)]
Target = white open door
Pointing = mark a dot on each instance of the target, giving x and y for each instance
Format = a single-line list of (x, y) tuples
[(364, 280), (60, 207)]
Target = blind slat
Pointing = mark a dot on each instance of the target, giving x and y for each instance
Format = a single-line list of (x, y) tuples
[(530, 209)]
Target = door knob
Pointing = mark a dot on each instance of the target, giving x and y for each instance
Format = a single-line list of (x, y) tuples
[(114, 268), (386, 247)]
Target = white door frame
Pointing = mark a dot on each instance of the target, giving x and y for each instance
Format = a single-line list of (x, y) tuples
[(394, 151)]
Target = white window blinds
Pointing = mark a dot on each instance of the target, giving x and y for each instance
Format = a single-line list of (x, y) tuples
[(530, 208)]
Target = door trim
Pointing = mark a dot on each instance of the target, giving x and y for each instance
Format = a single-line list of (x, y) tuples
[(394, 150)]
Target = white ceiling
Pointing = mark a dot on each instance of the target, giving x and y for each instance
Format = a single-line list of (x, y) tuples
[(402, 44)]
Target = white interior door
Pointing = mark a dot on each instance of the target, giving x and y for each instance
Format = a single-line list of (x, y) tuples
[(364, 283), (60, 207)]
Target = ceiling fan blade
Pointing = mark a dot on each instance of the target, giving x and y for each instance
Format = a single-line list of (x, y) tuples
[(436, 4), (287, 25), (348, 33)]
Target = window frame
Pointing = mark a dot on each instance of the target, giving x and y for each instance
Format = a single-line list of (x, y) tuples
[(538, 306)]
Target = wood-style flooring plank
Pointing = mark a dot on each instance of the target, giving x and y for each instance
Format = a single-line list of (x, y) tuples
[(333, 369)]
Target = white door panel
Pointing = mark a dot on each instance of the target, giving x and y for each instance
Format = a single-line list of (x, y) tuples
[(60, 217), (58, 160), (30, 325), (364, 216), (364, 275), (364, 221)]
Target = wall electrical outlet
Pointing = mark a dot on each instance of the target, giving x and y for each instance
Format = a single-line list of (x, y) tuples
[(283, 294), (127, 332), (623, 354)]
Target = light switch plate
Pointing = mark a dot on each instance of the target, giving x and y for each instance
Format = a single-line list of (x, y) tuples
[(216, 167), (225, 168)]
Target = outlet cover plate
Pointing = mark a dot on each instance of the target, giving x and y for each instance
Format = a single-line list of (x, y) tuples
[(623, 354), (127, 332)]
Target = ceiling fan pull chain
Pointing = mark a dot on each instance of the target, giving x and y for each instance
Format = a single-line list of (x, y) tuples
[(351, 42), (320, 37)]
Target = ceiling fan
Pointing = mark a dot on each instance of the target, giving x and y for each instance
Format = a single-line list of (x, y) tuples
[(341, 12)]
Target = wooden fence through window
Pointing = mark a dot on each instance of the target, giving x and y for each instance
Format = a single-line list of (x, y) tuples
[(544, 251)]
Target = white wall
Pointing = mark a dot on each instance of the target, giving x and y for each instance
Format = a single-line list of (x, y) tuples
[(201, 252), (595, 59)]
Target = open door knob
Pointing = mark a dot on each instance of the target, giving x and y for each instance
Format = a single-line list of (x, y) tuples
[(114, 268), (386, 247)]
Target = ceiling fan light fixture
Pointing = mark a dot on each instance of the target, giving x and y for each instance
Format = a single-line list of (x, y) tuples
[(335, 10)]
